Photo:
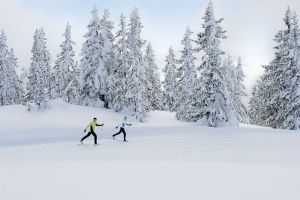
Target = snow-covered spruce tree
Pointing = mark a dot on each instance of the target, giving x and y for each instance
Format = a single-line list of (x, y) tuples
[(121, 71), (291, 114), (240, 92), (279, 89), (212, 104), (64, 67), (154, 91), (261, 105), (234, 83), (109, 57), (187, 79), (170, 82), (93, 72), (257, 104), (23, 84), (136, 96), (231, 76), (72, 90), (14, 94), (10, 90), (39, 73), (57, 79)]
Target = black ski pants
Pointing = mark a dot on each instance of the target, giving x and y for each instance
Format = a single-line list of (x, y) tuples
[(89, 134), (122, 130)]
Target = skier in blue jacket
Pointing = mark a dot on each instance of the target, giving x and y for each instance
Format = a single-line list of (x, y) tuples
[(122, 129)]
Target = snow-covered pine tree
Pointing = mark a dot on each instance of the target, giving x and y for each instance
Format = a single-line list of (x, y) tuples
[(187, 78), (261, 105), (109, 57), (39, 73), (57, 81), (10, 90), (64, 67), (279, 89), (23, 83), (231, 76), (93, 71), (170, 82), (212, 103), (121, 73), (257, 104), (240, 92), (234, 83), (291, 114), (273, 79), (154, 91), (14, 94), (136, 91), (72, 90), (284, 80)]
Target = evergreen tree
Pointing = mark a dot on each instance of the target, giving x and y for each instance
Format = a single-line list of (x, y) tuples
[(57, 81), (109, 57), (154, 92), (93, 71), (170, 82), (14, 94), (291, 114), (187, 79), (39, 72), (23, 84), (234, 83), (278, 91), (64, 67), (9, 83), (257, 112), (240, 88), (72, 90), (121, 71), (136, 91), (212, 103)]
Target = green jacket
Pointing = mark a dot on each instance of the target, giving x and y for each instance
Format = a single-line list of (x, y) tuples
[(92, 126)]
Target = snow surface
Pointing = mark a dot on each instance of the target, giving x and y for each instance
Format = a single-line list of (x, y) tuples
[(41, 158)]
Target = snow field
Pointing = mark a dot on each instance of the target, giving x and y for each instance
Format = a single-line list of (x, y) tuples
[(41, 158)]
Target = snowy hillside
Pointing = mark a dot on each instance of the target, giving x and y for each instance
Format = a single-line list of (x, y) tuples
[(164, 159)]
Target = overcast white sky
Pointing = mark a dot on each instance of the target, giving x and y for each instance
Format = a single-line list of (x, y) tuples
[(250, 24)]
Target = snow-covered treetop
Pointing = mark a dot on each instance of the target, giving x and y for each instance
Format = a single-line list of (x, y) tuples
[(135, 30), (170, 59), (67, 34), (288, 17), (39, 48), (107, 25), (3, 43), (213, 31), (94, 24), (150, 54), (3, 36), (121, 34), (94, 12), (67, 45)]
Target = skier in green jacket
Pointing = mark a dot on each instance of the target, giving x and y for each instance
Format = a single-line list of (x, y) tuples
[(91, 130)]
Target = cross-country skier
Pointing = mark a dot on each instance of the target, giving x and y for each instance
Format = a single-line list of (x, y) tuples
[(91, 130), (122, 129)]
